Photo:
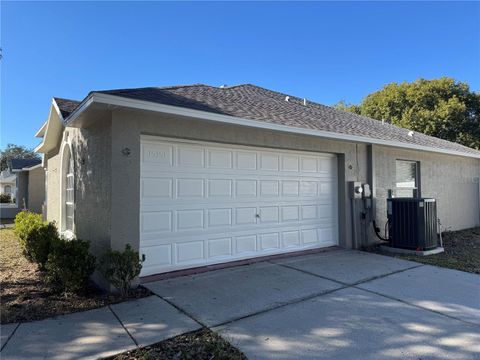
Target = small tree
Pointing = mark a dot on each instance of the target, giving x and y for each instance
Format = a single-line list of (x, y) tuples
[(70, 265), (39, 243), (25, 223), (121, 268)]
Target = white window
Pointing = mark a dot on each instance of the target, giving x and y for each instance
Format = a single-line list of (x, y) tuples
[(407, 175), (8, 190), (68, 192)]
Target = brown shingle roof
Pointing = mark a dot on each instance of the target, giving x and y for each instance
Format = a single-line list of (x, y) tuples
[(256, 103), (66, 106)]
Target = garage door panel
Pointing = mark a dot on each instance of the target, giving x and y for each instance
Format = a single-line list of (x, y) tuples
[(156, 188), (157, 154), (268, 241), (156, 221), (220, 159), (219, 217), (190, 156), (204, 203), (220, 247), (201, 250)]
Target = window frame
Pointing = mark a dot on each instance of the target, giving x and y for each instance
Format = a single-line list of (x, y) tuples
[(416, 189), (67, 194)]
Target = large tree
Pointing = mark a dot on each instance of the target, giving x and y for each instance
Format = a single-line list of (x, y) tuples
[(444, 108), (13, 151)]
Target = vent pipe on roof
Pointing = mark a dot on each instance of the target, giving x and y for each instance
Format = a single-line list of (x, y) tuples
[(383, 121), (287, 98), (305, 101), (223, 86)]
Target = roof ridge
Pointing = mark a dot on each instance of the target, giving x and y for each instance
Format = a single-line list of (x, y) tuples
[(152, 87), (65, 99)]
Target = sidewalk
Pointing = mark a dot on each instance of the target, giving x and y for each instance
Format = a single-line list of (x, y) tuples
[(95, 333)]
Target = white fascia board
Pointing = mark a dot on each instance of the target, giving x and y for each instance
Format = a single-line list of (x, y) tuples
[(32, 168), (27, 168), (57, 109), (41, 132), (204, 115), (38, 148)]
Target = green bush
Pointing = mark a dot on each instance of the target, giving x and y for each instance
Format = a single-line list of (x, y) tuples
[(25, 223), (39, 241), (5, 198), (120, 268), (70, 265)]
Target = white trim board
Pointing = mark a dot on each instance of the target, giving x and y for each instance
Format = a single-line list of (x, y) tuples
[(175, 110)]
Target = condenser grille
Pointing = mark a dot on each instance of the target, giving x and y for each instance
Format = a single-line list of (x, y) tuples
[(412, 223)]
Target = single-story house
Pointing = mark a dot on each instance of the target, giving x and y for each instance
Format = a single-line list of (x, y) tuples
[(197, 175), (24, 180)]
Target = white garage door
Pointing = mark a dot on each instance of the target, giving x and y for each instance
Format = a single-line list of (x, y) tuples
[(206, 203)]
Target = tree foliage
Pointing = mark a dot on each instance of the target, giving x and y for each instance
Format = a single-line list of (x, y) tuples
[(13, 151), (444, 108)]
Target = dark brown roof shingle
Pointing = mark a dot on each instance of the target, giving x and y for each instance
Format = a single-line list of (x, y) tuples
[(66, 106), (256, 103)]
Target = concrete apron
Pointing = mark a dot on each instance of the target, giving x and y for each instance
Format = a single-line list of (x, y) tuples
[(342, 304), (222, 296)]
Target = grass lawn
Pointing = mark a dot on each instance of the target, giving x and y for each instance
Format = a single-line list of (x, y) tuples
[(26, 297), (199, 345), (462, 252)]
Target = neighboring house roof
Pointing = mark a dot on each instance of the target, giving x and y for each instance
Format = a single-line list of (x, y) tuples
[(20, 164), (66, 106), (256, 103)]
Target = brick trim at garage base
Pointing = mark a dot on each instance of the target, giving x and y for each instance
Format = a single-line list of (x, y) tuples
[(230, 264)]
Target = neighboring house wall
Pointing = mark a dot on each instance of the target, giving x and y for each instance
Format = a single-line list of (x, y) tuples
[(22, 189), (452, 180), (10, 211), (36, 189), (8, 188)]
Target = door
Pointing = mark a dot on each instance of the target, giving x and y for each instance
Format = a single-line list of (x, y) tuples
[(206, 203)]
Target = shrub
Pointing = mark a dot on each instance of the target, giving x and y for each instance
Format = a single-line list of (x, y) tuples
[(120, 268), (25, 223), (39, 241), (70, 265), (5, 198)]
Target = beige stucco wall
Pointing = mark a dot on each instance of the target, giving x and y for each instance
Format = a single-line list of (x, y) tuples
[(91, 151), (452, 180), (36, 189)]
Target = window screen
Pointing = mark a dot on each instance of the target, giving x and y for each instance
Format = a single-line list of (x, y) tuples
[(406, 178)]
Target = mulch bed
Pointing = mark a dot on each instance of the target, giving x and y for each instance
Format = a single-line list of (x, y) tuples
[(199, 345), (26, 297), (462, 252)]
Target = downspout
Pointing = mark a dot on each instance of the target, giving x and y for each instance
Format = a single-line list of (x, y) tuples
[(371, 178), (371, 215)]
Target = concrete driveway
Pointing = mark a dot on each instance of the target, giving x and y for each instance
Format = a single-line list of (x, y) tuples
[(335, 305)]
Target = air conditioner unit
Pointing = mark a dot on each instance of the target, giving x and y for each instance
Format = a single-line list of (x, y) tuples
[(412, 223)]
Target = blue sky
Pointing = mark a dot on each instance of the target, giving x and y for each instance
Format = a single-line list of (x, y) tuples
[(323, 51)]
